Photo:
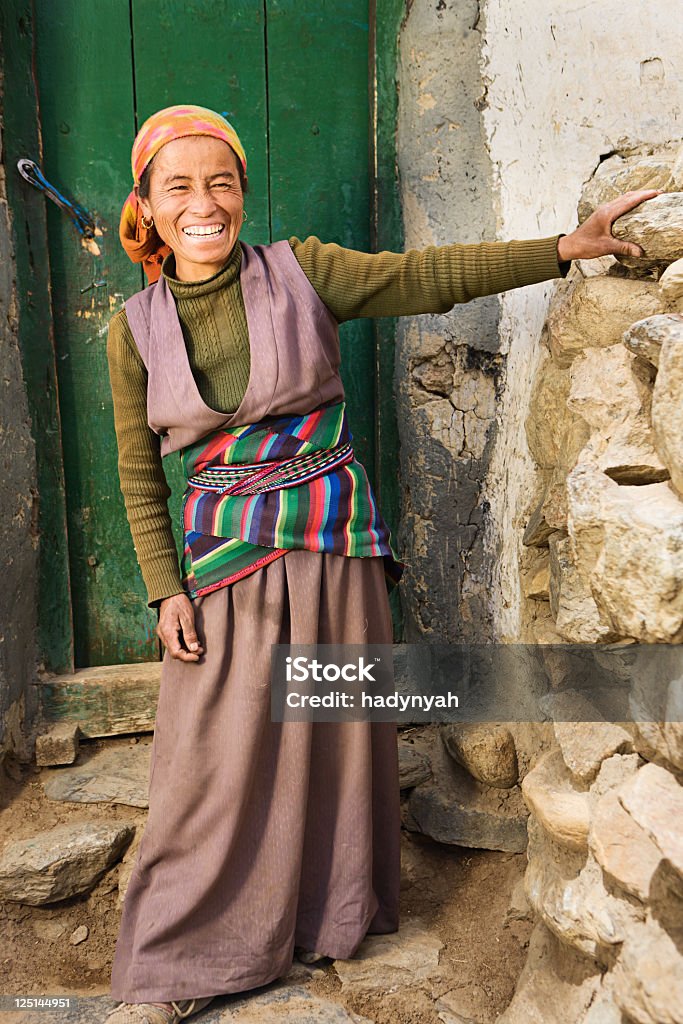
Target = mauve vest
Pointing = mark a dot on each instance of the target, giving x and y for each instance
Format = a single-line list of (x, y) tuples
[(293, 340)]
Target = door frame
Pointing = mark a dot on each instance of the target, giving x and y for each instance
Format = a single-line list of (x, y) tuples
[(22, 137)]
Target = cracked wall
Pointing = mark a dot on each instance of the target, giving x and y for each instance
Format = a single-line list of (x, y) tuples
[(449, 371), (505, 110)]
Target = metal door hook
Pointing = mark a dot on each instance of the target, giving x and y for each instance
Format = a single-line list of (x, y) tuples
[(84, 223)]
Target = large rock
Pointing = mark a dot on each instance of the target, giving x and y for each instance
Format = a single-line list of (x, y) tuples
[(413, 766), (671, 282), (556, 986), (281, 1004), (545, 422), (458, 810), (667, 406), (116, 775), (404, 958), (60, 863), (577, 616), (657, 227), (626, 537), (552, 798), (595, 312), (648, 977), (656, 704), (585, 741), (654, 800), (622, 848), (611, 389), (487, 751), (645, 337), (576, 905), (619, 174)]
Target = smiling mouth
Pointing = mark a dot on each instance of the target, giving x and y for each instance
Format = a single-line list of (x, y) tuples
[(201, 231)]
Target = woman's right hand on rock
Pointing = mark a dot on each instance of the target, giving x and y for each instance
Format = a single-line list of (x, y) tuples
[(176, 629)]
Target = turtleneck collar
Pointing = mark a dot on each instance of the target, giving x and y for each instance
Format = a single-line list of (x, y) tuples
[(189, 289)]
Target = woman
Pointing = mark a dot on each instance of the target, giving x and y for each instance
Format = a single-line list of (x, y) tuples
[(263, 838)]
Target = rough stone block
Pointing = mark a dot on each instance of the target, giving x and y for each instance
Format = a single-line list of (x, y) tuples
[(487, 752), (117, 775), (458, 810), (413, 767), (611, 389), (624, 538), (59, 745), (59, 863), (552, 798), (645, 337), (657, 226), (654, 801), (667, 406), (577, 616), (596, 312), (648, 977), (619, 174)]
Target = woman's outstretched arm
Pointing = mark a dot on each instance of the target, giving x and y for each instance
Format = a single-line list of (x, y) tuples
[(355, 284)]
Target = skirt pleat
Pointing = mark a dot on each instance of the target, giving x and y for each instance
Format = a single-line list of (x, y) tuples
[(262, 835)]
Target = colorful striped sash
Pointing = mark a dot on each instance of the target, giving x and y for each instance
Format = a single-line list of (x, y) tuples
[(257, 491)]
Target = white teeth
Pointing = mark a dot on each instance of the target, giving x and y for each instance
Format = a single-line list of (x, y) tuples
[(197, 230)]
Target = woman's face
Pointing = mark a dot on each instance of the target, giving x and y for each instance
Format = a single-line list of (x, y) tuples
[(196, 200)]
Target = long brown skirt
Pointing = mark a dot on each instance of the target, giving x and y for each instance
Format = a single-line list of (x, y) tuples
[(261, 835)]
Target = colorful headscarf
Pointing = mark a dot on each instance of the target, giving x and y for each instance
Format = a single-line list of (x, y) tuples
[(142, 244)]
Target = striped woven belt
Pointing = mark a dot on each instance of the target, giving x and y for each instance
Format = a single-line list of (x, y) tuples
[(257, 477)]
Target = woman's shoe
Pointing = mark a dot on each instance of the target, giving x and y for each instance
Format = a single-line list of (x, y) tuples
[(308, 957), (150, 1013)]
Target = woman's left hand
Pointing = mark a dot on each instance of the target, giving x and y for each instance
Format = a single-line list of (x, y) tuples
[(594, 237)]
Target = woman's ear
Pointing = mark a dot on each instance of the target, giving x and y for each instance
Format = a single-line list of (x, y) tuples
[(143, 203)]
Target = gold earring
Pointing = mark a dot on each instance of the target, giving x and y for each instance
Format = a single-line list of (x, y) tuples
[(244, 215), (145, 224)]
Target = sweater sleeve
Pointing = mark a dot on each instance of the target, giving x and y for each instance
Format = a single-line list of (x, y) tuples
[(356, 284), (141, 474)]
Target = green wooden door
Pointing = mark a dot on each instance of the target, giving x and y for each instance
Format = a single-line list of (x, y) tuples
[(292, 77)]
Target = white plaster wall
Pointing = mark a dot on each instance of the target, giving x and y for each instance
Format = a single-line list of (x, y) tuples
[(568, 80)]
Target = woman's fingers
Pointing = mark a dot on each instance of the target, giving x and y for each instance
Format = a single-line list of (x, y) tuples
[(176, 621), (594, 237)]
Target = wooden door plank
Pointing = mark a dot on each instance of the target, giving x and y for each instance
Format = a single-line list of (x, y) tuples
[(387, 226), (21, 138), (87, 115), (104, 701), (319, 173), (210, 52)]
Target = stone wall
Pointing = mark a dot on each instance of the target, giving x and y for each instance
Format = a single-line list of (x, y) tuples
[(542, 469), (604, 564), (505, 110), (18, 507)]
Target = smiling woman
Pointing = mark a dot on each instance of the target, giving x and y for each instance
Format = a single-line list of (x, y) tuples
[(264, 839), (198, 214)]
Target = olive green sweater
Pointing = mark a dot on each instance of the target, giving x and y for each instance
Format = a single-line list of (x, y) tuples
[(351, 284)]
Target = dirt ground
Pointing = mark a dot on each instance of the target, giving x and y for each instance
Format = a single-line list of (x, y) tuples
[(460, 895)]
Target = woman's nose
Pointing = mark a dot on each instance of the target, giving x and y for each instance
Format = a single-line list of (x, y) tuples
[(202, 202)]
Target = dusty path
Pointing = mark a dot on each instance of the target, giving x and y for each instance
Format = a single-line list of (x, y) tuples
[(455, 959)]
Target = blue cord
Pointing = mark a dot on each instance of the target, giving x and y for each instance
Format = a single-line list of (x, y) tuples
[(82, 220)]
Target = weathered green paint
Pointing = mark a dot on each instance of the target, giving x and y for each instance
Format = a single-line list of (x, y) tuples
[(87, 114), (211, 53), (319, 175), (104, 701), (387, 224), (22, 139), (264, 63)]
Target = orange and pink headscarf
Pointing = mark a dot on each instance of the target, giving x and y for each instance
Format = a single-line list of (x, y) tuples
[(142, 244)]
